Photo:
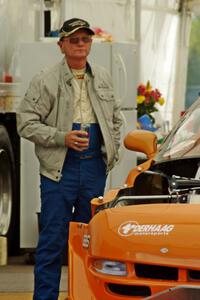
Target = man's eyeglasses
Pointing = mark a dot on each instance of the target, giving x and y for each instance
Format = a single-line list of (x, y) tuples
[(76, 40)]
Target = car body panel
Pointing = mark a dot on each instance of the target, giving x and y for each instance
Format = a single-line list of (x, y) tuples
[(121, 233)]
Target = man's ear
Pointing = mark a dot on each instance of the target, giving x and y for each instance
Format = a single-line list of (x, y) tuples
[(59, 43)]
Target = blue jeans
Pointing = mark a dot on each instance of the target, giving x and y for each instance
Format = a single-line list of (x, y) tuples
[(82, 180)]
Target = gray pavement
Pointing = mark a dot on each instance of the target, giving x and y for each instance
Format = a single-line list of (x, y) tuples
[(17, 276)]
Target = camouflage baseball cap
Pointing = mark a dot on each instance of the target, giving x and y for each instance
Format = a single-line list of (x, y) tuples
[(72, 25)]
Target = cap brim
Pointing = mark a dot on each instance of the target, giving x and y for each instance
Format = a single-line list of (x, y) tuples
[(66, 34)]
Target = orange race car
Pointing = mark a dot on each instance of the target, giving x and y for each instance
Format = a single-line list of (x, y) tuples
[(143, 239)]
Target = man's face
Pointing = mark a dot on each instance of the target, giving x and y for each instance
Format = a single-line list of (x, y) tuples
[(77, 45)]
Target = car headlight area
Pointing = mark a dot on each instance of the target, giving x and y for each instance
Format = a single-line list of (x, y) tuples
[(110, 267)]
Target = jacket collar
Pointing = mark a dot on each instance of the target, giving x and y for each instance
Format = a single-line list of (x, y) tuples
[(67, 73), (89, 69)]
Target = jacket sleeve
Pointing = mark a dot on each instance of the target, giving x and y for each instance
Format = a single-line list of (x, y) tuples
[(32, 113), (117, 123), (117, 118)]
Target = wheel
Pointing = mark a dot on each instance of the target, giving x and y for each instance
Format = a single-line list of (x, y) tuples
[(7, 189), (5, 192)]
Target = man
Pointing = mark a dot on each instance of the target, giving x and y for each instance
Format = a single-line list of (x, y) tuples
[(61, 105)]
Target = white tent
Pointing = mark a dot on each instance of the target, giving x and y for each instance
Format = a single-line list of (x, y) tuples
[(161, 28)]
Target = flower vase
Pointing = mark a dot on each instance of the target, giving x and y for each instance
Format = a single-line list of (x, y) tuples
[(146, 123)]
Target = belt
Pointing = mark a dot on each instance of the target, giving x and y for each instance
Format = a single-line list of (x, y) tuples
[(84, 155), (87, 156)]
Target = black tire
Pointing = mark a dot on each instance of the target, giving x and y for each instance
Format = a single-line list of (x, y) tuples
[(8, 214)]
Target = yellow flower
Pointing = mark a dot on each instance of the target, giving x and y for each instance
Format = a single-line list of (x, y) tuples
[(161, 101), (148, 86), (140, 99)]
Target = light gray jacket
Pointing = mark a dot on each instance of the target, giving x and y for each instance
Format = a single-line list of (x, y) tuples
[(45, 115)]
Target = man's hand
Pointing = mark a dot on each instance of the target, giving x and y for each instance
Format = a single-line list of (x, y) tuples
[(77, 140)]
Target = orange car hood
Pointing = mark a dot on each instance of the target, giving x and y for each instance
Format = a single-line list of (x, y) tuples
[(153, 233)]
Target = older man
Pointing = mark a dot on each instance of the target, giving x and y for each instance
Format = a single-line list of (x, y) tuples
[(71, 115)]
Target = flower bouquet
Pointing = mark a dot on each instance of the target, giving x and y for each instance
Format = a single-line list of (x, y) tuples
[(147, 100)]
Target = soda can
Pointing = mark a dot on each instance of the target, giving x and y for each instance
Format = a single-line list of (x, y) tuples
[(85, 127)]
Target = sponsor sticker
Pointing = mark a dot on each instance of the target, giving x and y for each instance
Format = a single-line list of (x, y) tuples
[(86, 241), (129, 228)]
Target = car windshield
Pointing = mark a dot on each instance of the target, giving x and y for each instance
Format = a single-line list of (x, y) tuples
[(184, 140)]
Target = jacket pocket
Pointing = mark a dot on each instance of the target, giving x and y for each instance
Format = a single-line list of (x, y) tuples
[(106, 100), (106, 95)]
